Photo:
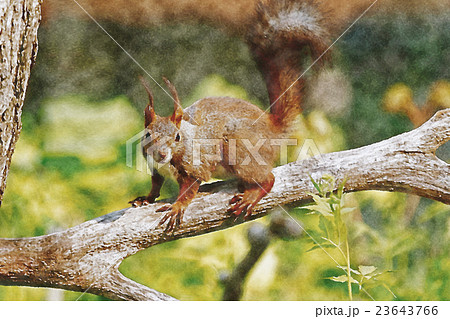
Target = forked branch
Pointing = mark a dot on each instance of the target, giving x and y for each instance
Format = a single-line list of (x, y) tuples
[(87, 256)]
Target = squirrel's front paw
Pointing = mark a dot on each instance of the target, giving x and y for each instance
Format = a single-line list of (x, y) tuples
[(141, 201), (174, 215)]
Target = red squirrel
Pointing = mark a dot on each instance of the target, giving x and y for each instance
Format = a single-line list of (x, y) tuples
[(234, 133)]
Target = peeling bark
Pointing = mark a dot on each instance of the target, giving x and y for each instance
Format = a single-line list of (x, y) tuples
[(19, 22), (87, 256)]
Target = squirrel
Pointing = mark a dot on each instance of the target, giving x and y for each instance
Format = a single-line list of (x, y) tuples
[(230, 132)]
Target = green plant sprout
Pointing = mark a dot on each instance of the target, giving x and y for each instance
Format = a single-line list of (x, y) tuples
[(329, 204)]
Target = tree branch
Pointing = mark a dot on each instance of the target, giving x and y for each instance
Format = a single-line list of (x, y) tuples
[(87, 256)]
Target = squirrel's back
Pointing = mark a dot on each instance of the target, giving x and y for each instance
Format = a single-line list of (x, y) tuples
[(220, 109)]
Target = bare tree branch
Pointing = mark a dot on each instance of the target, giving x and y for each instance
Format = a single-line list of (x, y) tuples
[(19, 22), (87, 256)]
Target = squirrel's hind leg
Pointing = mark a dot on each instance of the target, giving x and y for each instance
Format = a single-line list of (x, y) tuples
[(253, 192)]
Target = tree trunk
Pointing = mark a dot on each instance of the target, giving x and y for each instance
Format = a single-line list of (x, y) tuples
[(19, 22)]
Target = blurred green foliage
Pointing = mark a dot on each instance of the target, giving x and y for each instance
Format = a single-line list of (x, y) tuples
[(84, 102), (382, 51)]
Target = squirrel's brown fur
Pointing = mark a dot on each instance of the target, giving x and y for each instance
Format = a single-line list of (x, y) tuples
[(233, 133), (280, 37)]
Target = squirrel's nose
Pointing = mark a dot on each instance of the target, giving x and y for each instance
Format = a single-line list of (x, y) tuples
[(162, 155)]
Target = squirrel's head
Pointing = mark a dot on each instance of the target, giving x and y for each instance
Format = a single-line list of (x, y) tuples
[(162, 134)]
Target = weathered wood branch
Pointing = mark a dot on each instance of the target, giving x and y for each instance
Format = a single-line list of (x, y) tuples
[(87, 256), (19, 22)]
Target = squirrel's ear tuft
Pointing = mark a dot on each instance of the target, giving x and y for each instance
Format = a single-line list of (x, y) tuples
[(149, 111), (177, 115), (150, 115)]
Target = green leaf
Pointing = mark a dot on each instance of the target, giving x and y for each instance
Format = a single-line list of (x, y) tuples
[(351, 270), (389, 289), (347, 210), (343, 278), (340, 190), (317, 199), (321, 247), (366, 270), (329, 179), (334, 200), (321, 206), (320, 209), (331, 242), (325, 226), (316, 186)]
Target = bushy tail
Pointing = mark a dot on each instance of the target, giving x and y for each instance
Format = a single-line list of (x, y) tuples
[(280, 35)]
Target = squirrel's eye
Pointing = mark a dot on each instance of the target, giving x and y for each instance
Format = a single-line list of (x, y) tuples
[(178, 137)]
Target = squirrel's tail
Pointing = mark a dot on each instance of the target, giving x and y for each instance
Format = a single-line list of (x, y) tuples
[(279, 36)]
